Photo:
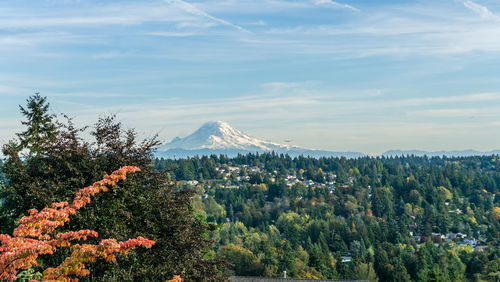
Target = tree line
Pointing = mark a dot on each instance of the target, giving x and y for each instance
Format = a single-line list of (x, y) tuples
[(389, 219)]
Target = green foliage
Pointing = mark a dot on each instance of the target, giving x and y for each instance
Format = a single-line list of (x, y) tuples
[(29, 275), (382, 202), (41, 129), (364, 271), (243, 261), (354, 219), (146, 205)]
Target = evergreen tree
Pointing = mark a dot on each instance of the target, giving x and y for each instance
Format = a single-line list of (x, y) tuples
[(41, 129), (146, 205)]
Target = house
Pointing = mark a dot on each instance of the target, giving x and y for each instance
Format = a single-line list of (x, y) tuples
[(346, 259), (469, 241), (233, 169), (416, 238), (192, 182), (437, 237), (255, 169), (308, 182), (481, 248), (452, 236)]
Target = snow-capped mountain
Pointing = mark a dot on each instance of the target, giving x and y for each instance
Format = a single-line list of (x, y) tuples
[(219, 137)]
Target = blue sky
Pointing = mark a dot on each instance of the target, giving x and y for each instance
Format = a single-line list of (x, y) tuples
[(356, 75)]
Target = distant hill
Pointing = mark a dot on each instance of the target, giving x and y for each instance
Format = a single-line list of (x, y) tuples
[(463, 153), (219, 137)]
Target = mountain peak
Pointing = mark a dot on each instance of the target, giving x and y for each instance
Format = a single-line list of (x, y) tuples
[(217, 123), (218, 137), (221, 135), (217, 128)]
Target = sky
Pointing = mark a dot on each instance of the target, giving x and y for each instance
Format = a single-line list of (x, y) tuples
[(350, 75)]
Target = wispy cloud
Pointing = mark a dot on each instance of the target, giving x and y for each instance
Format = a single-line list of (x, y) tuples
[(481, 10), (470, 113), (401, 30), (192, 9), (34, 39), (396, 30), (469, 98), (257, 23), (171, 34), (13, 90), (68, 21), (288, 88), (335, 5), (114, 54), (97, 15), (294, 102)]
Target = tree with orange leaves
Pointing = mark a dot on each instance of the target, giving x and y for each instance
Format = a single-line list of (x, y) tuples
[(146, 205), (36, 235)]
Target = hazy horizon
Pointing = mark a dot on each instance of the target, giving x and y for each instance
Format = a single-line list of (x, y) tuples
[(349, 75)]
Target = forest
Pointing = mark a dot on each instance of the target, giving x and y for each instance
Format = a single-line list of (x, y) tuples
[(388, 219), (207, 218)]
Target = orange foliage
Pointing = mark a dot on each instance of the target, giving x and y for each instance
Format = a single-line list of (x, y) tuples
[(176, 278), (35, 235), (496, 213), (369, 213)]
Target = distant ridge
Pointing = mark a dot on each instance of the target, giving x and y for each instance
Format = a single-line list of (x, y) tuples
[(218, 137), (420, 153)]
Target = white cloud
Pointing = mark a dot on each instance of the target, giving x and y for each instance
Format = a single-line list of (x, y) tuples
[(261, 7), (67, 21), (405, 30), (171, 34), (114, 54), (288, 87), (470, 113), (192, 9), (97, 15), (257, 23), (335, 5), (400, 30), (470, 98), (13, 90), (34, 39), (482, 11)]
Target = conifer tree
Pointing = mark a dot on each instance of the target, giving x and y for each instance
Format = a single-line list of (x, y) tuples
[(41, 129), (147, 206)]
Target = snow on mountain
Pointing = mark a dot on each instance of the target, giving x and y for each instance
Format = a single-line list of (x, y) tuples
[(219, 135)]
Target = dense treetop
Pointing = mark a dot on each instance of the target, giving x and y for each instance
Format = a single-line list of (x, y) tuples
[(401, 218)]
